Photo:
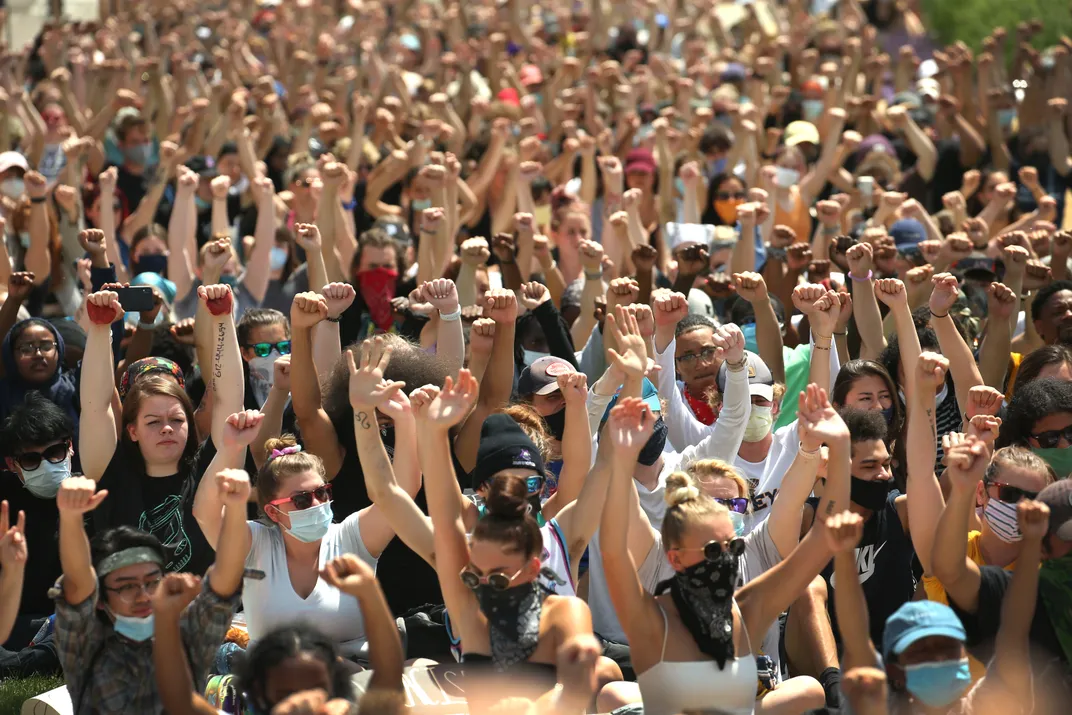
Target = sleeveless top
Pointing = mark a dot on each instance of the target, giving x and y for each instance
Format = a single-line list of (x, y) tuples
[(671, 687), (796, 216)]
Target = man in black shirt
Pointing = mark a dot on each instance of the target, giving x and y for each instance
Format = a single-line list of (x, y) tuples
[(37, 440), (133, 138)]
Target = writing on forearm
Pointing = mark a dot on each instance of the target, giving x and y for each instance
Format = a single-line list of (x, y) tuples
[(217, 368)]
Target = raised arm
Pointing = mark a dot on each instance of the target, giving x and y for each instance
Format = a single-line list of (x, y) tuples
[(174, 681), (752, 288), (925, 500), (318, 433), (239, 431), (961, 361), (181, 260), (865, 305), (272, 409), (892, 292), (843, 532), (38, 256), (97, 437), (966, 462), (997, 343), (75, 498), (450, 339), (783, 524), (327, 343), (576, 444), (12, 567)]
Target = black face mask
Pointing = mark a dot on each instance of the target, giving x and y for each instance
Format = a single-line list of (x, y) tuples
[(870, 495), (703, 595), (513, 621), (151, 264), (556, 423), (651, 452)]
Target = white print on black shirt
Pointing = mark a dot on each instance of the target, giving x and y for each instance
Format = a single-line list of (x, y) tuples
[(866, 556)]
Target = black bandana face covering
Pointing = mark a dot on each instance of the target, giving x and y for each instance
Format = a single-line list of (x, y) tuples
[(556, 423), (513, 621), (703, 594), (870, 494)]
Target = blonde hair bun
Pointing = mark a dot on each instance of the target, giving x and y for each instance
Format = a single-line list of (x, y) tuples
[(680, 489)]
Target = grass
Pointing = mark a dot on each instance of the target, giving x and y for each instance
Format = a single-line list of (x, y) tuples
[(973, 20), (13, 691)]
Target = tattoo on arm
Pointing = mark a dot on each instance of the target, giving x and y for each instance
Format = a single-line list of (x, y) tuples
[(932, 423), (830, 507), (362, 419)]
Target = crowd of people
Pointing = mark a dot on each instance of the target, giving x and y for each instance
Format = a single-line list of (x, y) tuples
[(567, 356)]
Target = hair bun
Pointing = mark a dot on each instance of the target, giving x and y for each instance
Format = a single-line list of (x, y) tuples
[(507, 497), (680, 489), (280, 443)]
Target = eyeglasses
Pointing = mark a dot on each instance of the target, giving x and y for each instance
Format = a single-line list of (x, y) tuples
[(705, 355), (1052, 438), (302, 183), (737, 504), (45, 347), (128, 592), (534, 484), (712, 550), (727, 195), (1007, 493), (304, 500), (910, 253), (265, 349), (498, 581), (55, 454)]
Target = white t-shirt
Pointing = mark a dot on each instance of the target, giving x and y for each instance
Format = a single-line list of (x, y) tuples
[(272, 602), (766, 476)]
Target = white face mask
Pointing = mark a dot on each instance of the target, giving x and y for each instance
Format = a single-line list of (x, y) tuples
[(44, 481), (239, 187), (12, 188), (786, 177), (262, 375), (759, 423), (1001, 517), (531, 356)]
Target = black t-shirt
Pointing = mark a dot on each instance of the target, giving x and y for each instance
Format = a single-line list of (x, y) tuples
[(42, 544), (134, 186), (162, 506), (884, 564)]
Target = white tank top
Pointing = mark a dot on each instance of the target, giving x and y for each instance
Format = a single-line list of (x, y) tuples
[(669, 687)]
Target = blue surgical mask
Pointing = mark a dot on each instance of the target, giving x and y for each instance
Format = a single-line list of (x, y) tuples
[(420, 204), (202, 204), (138, 154), (888, 415), (45, 481), (278, 259), (156, 263), (938, 684), (12, 188), (679, 184), (531, 356), (749, 331), (811, 108), (230, 279), (1006, 117), (715, 167), (135, 629), (310, 525), (738, 522), (24, 239)]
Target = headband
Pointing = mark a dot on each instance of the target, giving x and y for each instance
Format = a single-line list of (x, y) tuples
[(129, 557), (283, 452)]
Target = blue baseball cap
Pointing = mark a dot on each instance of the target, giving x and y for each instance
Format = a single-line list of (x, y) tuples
[(919, 619), (907, 233), (648, 393)]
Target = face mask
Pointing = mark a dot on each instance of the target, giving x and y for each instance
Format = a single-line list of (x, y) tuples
[(938, 684), (750, 343), (738, 523), (45, 481), (278, 259), (556, 423), (202, 204), (715, 167), (12, 188), (1006, 117), (138, 154), (310, 525), (811, 108), (420, 204), (135, 629), (262, 375), (727, 210), (653, 449), (542, 216), (786, 177), (679, 184), (239, 187), (229, 279), (24, 239), (1060, 458), (888, 414), (513, 619), (1001, 517), (703, 594), (870, 495), (151, 264), (377, 289), (531, 356), (759, 423)]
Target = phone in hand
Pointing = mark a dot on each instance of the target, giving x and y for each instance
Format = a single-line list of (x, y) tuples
[(136, 299)]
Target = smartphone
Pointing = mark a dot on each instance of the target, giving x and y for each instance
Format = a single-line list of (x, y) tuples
[(136, 298), (865, 185)]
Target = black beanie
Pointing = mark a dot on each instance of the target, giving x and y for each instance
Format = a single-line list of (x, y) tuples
[(503, 445)]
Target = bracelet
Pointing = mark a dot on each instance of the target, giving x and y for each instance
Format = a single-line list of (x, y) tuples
[(935, 315), (830, 230), (38, 200), (737, 366), (870, 273), (822, 347), (806, 454), (337, 319), (842, 334), (349, 205), (816, 336), (146, 326), (451, 317), (597, 276)]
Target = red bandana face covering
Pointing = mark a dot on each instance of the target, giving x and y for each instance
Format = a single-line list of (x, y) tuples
[(377, 290), (700, 408)]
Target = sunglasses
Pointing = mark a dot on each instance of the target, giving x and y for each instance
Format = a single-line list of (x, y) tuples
[(534, 484), (1008, 494), (1052, 438), (55, 454), (497, 581), (712, 550), (737, 504), (265, 349), (304, 500), (727, 195)]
